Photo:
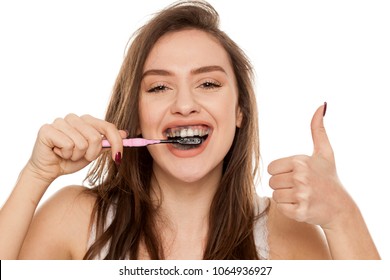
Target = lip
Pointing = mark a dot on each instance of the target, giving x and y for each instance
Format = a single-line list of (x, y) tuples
[(191, 152)]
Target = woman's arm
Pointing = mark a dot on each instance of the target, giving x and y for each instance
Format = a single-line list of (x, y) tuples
[(63, 147), (350, 238), (18, 211), (292, 240)]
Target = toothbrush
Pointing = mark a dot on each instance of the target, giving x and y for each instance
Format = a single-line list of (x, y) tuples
[(141, 142)]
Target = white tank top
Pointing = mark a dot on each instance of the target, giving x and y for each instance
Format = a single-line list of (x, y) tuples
[(260, 230)]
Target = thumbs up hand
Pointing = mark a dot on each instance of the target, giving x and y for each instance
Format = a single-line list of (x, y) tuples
[(307, 188)]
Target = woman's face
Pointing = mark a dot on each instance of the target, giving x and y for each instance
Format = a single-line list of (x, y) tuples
[(189, 89)]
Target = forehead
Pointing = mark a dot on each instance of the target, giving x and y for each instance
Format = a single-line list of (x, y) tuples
[(189, 48)]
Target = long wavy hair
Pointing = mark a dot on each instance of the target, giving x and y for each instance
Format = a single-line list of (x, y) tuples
[(125, 191)]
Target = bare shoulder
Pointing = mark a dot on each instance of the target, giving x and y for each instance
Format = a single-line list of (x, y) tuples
[(60, 227), (289, 239)]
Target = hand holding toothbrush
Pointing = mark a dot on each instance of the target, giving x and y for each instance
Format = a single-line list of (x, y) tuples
[(69, 144)]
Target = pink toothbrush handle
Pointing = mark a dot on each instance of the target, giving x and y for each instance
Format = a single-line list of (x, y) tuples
[(132, 142)]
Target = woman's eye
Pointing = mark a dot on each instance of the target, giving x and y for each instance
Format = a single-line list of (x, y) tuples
[(157, 89), (210, 85)]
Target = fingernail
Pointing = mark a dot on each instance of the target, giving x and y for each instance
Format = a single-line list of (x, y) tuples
[(118, 158), (325, 106)]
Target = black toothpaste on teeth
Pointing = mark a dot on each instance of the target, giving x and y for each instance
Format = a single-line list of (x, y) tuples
[(190, 141)]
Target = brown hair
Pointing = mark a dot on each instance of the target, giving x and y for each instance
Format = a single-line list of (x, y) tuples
[(127, 189)]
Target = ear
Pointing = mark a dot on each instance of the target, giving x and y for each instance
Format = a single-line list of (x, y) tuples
[(238, 117)]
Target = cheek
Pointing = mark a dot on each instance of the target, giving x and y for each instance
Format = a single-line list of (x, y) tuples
[(149, 116), (144, 119), (226, 117), (227, 113)]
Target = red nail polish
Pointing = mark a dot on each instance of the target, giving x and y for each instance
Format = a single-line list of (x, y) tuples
[(325, 106), (118, 158)]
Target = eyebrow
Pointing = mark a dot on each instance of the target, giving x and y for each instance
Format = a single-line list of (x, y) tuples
[(206, 69), (200, 70)]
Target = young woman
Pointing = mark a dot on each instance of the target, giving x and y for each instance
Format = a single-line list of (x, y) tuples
[(182, 78)]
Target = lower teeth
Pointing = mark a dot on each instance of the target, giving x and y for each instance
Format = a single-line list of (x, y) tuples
[(187, 146)]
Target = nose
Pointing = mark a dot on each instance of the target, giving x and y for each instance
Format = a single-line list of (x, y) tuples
[(185, 103)]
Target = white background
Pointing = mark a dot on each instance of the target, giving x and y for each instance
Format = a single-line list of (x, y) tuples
[(58, 57)]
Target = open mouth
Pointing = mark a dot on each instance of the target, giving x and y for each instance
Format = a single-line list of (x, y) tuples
[(192, 133)]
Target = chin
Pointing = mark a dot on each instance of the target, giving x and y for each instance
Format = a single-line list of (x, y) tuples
[(193, 175), (189, 176)]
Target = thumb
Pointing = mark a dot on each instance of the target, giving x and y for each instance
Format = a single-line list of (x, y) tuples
[(320, 138)]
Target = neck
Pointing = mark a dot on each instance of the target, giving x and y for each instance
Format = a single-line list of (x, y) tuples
[(182, 200), (185, 203), (184, 211)]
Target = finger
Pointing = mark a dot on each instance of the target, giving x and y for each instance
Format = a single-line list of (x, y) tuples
[(123, 133), (281, 181), (56, 141), (110, 131), (62, 146), (284, 196), (320, 138), (282, 165), (90, 134), (80, 145), (288, 209)]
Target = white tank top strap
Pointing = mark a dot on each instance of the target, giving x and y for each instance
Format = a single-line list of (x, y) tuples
[(260, 230), (92, 236)]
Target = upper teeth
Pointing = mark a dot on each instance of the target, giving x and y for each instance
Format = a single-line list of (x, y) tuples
[(187, 131)]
